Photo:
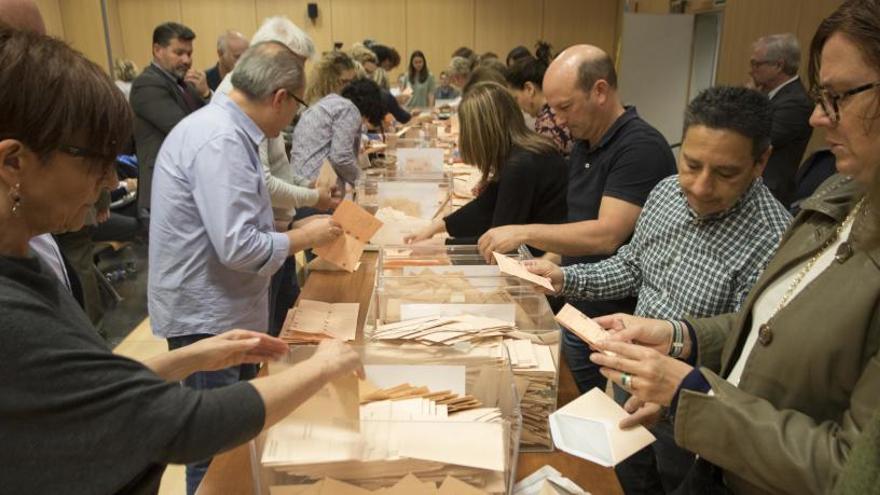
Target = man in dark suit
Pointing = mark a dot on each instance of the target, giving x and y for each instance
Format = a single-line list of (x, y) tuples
[(230, 46), (167, 90), (774, 67)]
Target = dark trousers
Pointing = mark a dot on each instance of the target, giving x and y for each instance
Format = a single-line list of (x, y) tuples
[(577, 355), (658, 468), (282, 294), (203, 380)]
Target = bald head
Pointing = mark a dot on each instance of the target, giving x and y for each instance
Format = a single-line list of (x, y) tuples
[(580, 66), (230, 46), (22, 14)]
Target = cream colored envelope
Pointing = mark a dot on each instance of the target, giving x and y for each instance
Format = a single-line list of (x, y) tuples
[(580, 324), (588, 428), (358, 228), (513, 267)]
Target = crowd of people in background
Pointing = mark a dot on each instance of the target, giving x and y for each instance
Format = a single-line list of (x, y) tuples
[(736, 332)]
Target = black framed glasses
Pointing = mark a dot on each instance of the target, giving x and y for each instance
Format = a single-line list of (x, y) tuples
[(830, 101), (757, 63), (299, 100)]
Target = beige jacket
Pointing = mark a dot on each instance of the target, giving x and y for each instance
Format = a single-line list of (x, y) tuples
[(805, 395)]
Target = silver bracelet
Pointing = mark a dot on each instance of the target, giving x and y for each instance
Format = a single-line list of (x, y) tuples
[(677, 346)]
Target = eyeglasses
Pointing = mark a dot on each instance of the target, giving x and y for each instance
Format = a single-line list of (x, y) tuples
[(299, 100), (757, 63), (80, 152), (830, 101)]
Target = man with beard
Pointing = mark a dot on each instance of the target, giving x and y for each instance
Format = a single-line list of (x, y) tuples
[(168, 90)]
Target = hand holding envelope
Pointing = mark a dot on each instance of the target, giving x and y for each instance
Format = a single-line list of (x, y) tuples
[(513, 267), (358, 228)]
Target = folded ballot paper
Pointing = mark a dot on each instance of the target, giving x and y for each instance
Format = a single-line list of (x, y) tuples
[(588, 427), (358, 228), (514, 267)]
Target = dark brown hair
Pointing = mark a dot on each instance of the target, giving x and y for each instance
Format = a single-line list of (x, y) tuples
[(858, 20), (492, 125), (51, 95)]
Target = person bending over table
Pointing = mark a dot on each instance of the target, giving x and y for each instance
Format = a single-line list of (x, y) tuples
[(773, 396), (524, 177), (76, 417)]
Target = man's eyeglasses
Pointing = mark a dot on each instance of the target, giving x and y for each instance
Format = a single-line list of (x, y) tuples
[(757, 63), (830, 101), (299, 100)]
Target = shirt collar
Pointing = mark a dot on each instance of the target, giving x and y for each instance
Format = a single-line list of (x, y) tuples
[(167, 74), (240, 118), (746, 196), (629, 114), (775, 90)]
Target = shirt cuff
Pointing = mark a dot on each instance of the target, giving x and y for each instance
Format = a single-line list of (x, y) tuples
[(694, 381), (280, 252), (571, 283), (692, 359)]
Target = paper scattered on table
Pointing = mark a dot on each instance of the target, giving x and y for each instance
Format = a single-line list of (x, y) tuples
[(312, 321), (513, 267), (358, 227), (581, 325), (588, 427), (534, 483)]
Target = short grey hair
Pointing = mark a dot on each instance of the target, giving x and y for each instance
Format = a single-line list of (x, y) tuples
[(223, 39), (784, 47), (459, 66), (267, 67), (283, 30)]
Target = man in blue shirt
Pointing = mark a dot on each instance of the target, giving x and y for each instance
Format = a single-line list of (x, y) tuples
[(213, 245)]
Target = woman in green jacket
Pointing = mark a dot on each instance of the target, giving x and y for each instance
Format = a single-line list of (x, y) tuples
[(773, 397)]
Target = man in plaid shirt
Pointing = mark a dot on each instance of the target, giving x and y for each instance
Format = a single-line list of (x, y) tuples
[(699, 245)]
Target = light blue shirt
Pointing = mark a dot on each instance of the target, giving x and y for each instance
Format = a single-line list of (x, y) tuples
[(213, 245)]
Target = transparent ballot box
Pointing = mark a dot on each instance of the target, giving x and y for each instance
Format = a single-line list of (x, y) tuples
[(405, 205), (427, 414), (447, 296)]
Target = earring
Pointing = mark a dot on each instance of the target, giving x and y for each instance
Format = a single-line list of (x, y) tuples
[(15, 195)]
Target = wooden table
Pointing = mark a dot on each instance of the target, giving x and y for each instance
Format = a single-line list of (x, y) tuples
[(230, 473)]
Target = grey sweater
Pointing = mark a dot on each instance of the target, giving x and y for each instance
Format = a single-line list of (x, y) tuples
[(76, 418)]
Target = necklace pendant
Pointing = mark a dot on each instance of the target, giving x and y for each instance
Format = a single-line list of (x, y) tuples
[(765, 334), (844, 252)]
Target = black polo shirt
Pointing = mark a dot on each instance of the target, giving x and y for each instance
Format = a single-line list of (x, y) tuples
[(630, 159)]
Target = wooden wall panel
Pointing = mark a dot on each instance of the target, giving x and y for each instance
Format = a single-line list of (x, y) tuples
[(503, 24), (380, 20), (51, 11), (210, 18), (138, 18), (320, 31), (438, 29), (114, 23), (84, 29), (572, 22), (744, 22)]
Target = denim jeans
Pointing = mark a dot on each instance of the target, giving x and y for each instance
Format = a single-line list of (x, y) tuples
[(282, 294), (577, 355), (202, 380)]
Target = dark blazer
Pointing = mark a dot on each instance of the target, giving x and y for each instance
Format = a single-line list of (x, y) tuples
[(158, 106), (791, 132)]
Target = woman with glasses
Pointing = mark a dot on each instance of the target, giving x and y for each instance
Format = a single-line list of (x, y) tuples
[(772, 397), (75, 417)]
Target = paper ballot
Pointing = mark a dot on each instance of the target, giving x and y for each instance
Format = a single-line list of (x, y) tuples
[(513, 267), (358, 228), (588, 427)]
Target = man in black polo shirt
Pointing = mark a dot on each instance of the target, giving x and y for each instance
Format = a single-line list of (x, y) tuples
[(616, 161)]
